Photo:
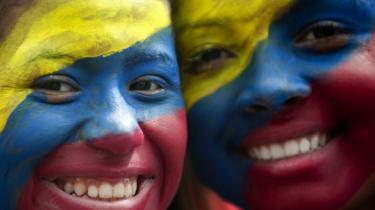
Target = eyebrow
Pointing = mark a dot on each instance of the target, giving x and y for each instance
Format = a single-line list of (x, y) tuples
[(149, 57), (207, 23)]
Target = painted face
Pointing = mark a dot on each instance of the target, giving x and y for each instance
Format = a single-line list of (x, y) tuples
[(280, 100), (91, 113)]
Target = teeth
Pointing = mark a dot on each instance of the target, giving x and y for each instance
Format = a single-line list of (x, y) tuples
[(79, 188), (119, 190), (128, 188), (322, 141), (133, 181), (290, 148), (68, 188), (265, 153), (315, 141), (100, 190), (105, 191), (93, 191), (304, 145), (277, 151)]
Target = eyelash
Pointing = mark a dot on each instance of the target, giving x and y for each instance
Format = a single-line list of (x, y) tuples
[(46, 84), (323, 37), (155, 83), (208, 60)]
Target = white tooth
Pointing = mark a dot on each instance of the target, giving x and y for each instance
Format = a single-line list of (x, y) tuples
[(250, 153), (264, 153), (68, 188), (322, 140), (277, 151), (257, 153), (315, 141), (105, 191), (133, 181), (128, 188), (291, 148), (304, 145), (119, 190), (93, 191), (80, 188)]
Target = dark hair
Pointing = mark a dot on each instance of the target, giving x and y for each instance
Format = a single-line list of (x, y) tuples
[(10, 11)]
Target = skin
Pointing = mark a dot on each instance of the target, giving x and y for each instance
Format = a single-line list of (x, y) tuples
[(89, 89), (257, 73)]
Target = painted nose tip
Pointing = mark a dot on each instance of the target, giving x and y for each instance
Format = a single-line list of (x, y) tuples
[(118, 144)]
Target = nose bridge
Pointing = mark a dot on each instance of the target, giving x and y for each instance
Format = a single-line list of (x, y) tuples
[(273, 80), (112, 125)]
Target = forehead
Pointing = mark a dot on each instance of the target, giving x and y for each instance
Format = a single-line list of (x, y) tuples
[(60, 32), (209, 13)]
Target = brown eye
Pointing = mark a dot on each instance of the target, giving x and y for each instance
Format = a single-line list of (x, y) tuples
[(55, 84), (146, 86), (208, 60), (324, 36)]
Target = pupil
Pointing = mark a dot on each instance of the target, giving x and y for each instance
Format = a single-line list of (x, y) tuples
[(143, 85), (52, 86), (324, 32), (211, 55)]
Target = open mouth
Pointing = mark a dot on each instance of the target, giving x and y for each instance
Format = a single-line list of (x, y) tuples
[(102, 189), (293, 147)]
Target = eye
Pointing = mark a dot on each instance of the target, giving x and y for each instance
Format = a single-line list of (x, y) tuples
[(323, 36), (55, 85), (146, 85), (208, 60)]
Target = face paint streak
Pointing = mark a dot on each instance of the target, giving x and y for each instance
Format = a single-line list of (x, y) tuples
[(43, 44), (213, 23)]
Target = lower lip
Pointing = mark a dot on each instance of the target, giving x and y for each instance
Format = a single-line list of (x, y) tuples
[(51, 197)]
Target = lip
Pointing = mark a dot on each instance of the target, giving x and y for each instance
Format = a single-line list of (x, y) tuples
[(305, 120), (300, 164), (80, 160)]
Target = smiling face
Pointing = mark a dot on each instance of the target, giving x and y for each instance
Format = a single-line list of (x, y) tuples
[(280, 100), (89, 92)]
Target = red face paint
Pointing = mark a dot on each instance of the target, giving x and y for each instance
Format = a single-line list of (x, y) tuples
[(341, 106), (156, 160)]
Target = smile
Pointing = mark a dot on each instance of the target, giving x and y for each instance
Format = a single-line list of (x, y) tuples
[(101, 189), (289, 148)]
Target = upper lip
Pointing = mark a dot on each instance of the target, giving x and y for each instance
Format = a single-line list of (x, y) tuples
[(81, 160), (304, 119), (282, 133)]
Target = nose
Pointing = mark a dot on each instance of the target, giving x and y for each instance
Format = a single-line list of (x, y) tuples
[(272, 82), (112, 126)]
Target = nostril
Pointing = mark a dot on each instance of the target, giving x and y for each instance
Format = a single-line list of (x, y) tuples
[(256, 108), (294, 100)]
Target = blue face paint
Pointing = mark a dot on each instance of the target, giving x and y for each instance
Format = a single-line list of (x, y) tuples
[(279, 71), (115, 94)]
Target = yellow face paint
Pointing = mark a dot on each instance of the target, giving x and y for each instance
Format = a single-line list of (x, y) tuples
[(235, 25), (53, 34)]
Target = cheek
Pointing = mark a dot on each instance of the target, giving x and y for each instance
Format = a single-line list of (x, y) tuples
[(168, 133), (32, 131), (352, 85)]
